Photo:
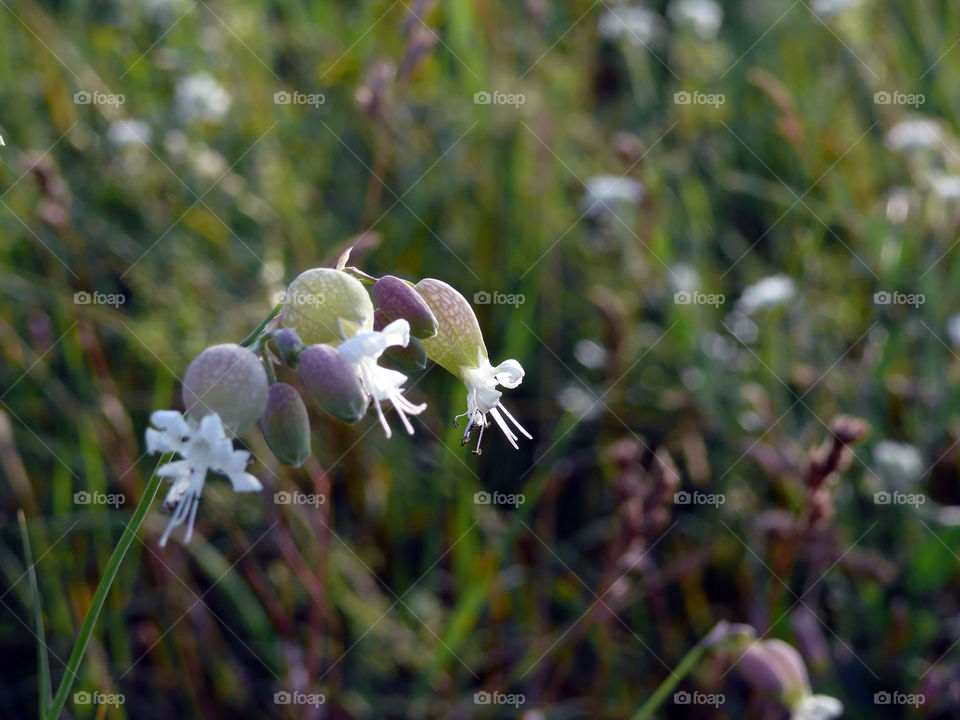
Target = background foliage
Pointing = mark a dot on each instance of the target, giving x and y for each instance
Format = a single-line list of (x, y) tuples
[(401, 597)]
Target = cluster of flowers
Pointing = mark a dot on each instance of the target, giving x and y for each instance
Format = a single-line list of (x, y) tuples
[(327, 327)]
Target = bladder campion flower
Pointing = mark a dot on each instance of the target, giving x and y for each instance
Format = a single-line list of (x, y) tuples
[(362, 351), (459, 348), (331, 381), (322, 304), (285, 425)]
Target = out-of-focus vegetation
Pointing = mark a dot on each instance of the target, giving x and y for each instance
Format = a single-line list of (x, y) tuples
[(796, 194)]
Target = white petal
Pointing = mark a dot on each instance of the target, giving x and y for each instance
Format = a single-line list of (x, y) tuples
[(180, 468), (818, 707), (244, 482), (509, 373), (164, 419), (211, 429), (397, 333), (163, 441)]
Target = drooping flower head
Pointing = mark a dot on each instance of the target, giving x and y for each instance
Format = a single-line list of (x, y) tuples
[(323, 304), (776, 669), (224, 391), (458, 347)]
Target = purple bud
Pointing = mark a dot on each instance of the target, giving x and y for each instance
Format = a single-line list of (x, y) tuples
[(397, 299), (413, 357), (331, 381), (775, 668), (285, 425), (230, 381), (289, 345)]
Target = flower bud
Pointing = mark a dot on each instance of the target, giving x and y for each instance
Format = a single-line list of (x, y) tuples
[(331, 381), (285, 425), (397, 299), (775, 668), (458, 342), (321, 302), (230, 381), (412, 357), (289, 345)]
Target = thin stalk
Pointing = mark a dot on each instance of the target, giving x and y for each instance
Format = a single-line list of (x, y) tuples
[(670, 683), (43, 662), (100, 596), (252, 337)]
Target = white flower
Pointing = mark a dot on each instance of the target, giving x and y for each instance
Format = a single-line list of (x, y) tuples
[(817, 707), (704, 16), (916, 133), (483, 398), (200, 97), (362, 351), (767, 293), (900, 462), (606, 193), (203, 446), (129, 132), (638, 24)]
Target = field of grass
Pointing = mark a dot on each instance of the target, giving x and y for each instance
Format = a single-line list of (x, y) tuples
[(723, 248)]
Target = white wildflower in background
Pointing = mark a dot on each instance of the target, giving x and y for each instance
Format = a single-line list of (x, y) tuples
[(705, 17), (899, 462), (946, 187), (830, 8), (953, 330), (634, 23), (767, 293), (200, 97), (129, 132), (203, 447), (916, 133), (605, 193)]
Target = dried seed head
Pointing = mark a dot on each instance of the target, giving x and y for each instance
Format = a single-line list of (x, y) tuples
[(321, 302), (230, 381), (458, 342), (397, 299), (285, 425), (331, 381)]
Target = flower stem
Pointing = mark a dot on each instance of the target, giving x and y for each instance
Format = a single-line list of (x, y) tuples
[(255, 335), (669, 683), (100, 596)]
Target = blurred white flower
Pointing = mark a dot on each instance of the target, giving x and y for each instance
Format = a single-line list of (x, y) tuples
[(898, 205), (590, 354), (704, 16), (946, 187), (767, 293), (817, 707), (203, 446), (913, 134), (953, 330), (900, 462), (829, 8), (637, 24), (603, 193), (200, 97), (129, 132), (577, 401), (684, 278)]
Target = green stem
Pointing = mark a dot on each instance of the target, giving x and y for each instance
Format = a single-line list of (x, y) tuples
[(43, 662), (100, 596), (670, 683), (360, 275), (255, 335)]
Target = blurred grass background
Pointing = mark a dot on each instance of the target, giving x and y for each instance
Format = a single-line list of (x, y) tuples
[(199, 197)]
